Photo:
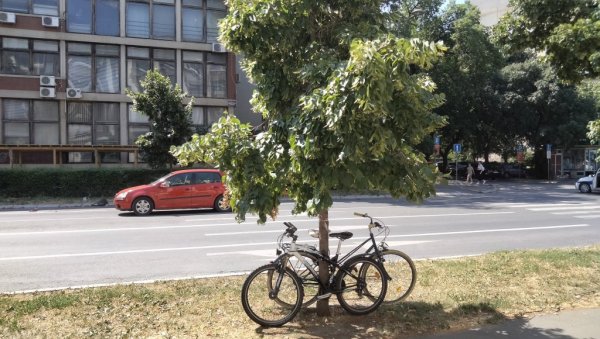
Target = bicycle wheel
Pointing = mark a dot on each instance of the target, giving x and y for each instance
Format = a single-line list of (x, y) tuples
[(402, 275), (360, 285), (310, 284), (262, 303)]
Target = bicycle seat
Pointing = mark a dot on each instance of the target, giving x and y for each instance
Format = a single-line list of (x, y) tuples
[(341, 235)]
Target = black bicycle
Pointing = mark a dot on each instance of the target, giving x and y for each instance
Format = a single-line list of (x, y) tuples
[(400, 269), (273, 294)]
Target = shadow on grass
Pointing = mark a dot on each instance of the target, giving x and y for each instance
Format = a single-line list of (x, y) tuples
[(389, 321)]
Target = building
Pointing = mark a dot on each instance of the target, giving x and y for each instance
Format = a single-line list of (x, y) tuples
[(491, 10), (65, 65)]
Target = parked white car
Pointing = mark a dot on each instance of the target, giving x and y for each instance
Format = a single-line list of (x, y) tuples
[(589, 183)]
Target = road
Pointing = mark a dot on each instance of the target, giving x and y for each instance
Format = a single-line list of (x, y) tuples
[(53, 249)]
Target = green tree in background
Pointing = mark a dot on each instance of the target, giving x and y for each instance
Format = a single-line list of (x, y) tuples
[(566, 32), (541, 109), (170, 119), (344, 104), (465, 75)]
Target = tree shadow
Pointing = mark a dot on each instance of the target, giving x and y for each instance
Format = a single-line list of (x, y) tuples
[(401, 320), (417, 320)]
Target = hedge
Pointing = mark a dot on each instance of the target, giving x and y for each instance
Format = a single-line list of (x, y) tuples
[(44, 182)]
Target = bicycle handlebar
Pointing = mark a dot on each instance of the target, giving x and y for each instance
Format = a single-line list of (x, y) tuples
[(371, 223), (291, 229)]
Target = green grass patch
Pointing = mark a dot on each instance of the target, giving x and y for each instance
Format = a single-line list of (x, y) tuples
[(450, 295)]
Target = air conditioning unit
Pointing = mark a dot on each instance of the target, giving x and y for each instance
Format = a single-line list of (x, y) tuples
[(47, 92), (73, 93), (7, 18), (47, 80), (50, 21), (218, 48)]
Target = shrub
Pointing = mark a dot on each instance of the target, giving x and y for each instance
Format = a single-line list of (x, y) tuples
[(17, 183)]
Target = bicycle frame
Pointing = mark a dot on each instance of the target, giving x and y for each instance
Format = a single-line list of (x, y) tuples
[(331, 262)]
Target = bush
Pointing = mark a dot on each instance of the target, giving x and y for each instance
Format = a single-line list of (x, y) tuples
[(18, 183)]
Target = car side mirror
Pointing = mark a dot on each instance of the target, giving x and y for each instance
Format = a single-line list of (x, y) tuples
[(165, 184)]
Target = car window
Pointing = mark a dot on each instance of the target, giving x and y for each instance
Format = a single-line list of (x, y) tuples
[(207, 177), (180, 179)]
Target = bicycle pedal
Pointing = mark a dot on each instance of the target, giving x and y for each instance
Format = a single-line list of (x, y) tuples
[(323, 296)]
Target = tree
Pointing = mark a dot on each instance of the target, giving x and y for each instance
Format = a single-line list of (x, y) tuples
[(170, 120), (542, 109), (567, 32), (464, 76), (342, 104)]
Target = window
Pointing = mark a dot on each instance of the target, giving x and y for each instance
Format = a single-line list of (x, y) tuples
[(200, 19), (206, 177), (200, 80), (159, 25), (107, 17), (216, 76), (204, 117), (93, 67), (93, 123), (93, 17), (139, 61), (213, 114), (192, 21), (41, 7), (138, 125), (29, 57), (193, 73), (30, 122), (212, 24)]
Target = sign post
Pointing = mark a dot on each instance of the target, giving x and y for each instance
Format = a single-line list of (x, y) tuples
[(457, 150), (548, 156), (437, 142)]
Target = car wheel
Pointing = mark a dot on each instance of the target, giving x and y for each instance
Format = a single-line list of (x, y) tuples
[(143, 206), (221, 205), (585, 188)]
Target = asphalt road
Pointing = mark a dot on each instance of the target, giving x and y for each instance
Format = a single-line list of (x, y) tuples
[(52, 249)]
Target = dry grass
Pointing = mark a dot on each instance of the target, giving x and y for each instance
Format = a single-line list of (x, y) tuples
[(450, 295)]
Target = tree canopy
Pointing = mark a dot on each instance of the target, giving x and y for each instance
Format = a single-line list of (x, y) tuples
[(170, 119), (342, 107), (567, 32)]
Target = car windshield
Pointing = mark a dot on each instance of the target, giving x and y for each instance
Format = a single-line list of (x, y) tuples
[(161, 179)]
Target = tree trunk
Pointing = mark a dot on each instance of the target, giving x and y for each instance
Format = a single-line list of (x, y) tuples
[(323, 305)]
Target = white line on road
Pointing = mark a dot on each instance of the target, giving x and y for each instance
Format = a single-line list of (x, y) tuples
[(578, 207), (269, 252), (589, 216), (551, 206), (195, 248), (279, 221)]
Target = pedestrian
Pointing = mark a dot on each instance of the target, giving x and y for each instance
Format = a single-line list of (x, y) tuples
[(470, 171), (480, 170)]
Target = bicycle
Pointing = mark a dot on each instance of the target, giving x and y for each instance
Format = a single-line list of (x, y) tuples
[(273, 294), (400, 269)]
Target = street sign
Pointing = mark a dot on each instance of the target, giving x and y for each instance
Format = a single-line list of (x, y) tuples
[(457, 148), (437, 140)]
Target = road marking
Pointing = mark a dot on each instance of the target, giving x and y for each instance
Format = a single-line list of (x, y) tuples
[(53, 219), (195, 248), (552, 206), (490, 231), (578, 207), (590, 216), (269, 223), (269, 253)]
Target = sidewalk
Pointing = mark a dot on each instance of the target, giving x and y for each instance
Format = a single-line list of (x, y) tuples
[(571, 324)]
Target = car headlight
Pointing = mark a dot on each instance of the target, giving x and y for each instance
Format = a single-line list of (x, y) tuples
[(121, 196)]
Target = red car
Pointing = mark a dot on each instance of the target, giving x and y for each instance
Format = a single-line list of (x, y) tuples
[(192, 188)]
